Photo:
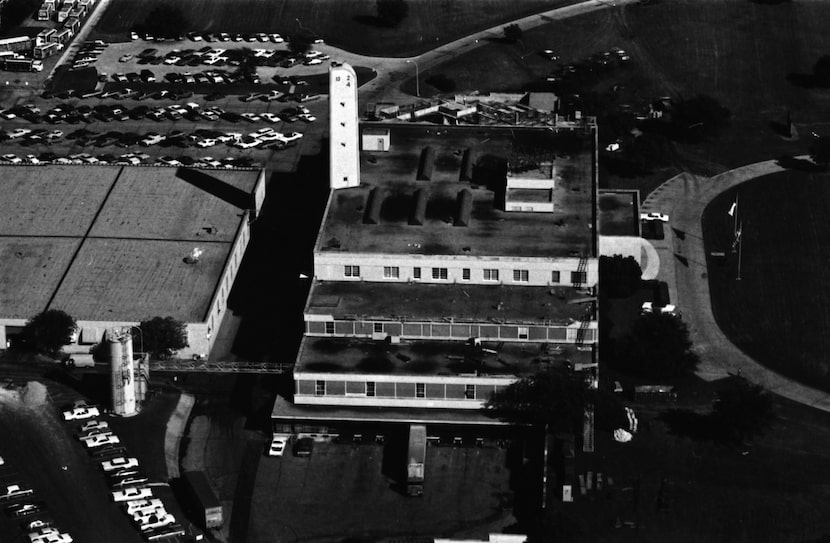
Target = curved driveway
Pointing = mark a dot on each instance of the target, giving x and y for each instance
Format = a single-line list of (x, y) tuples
[(684, 198)]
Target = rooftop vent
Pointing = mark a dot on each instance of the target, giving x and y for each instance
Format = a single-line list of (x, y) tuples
[(467, 163), (427, 164), (420, 208), (194, 255), (372, 215), (464, 205)]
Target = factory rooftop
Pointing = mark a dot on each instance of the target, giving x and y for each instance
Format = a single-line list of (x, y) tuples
[(424, 357), (438, 161), (110, 243), (461, 303)]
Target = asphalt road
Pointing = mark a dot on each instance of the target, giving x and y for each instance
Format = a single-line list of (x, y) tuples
[(39, 452)]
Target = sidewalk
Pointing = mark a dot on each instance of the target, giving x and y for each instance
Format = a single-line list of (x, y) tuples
[(684, 198)]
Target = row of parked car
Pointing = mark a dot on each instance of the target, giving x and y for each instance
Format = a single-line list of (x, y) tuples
[(38, 530), (191, 111), (88, 54), (216, 36), (131, 159), (128, 485)]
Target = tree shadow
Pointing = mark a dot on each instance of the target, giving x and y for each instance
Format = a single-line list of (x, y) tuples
[(371, 20), (784, 130), (806, 81)]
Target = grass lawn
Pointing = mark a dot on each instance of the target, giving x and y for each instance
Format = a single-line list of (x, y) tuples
[(776, 492), (779, 312), (342, 23), (736, 51)]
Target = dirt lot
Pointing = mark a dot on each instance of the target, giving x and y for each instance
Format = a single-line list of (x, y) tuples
[(349, 24), (303, 499)]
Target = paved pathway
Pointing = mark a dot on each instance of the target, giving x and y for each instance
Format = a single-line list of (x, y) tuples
[(393, 71), (684, 198)]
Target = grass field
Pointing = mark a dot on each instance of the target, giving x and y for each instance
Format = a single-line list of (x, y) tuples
[(737, 51), (343, 23), (779, 312), (685, 491)]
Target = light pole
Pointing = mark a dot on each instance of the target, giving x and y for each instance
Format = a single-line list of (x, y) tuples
[(417, 78)]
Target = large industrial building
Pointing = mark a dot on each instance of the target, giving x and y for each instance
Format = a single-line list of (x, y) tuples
[(114, 245), (465, 259)]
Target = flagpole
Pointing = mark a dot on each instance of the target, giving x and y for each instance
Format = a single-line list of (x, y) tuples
[(735, 218), (740, 251)]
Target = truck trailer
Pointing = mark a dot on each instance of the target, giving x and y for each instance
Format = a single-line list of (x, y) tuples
[(203, 500), (416, 460)]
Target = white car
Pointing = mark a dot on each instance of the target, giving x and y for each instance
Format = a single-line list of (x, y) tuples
[(210, 161), (248, 143), (32, 159), (136, 506), (250, 117), (119, 463), (270, 117), (132, 493), (19, 133), (207, 142), (100, 440), (12, 159), (81, 413), (278, 445), (307, 117), (168, 160), (152, 139), (313, 62), (156, 521), (49, 535), (293, 136), (90, 425), (94, 433), (654, 216)]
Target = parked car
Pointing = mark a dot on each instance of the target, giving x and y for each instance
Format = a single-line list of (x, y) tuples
[(24, 509), (132, 493), (304, 446), (81, 413), (118, 463), (654, 216), (95, 441), (278, 445), (15, 491)]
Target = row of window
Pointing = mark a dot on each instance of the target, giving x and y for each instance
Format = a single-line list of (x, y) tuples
[(523, 331), (420, 390), (442, 274)]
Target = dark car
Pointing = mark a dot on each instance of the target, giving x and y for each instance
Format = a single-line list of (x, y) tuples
[(303, 447), (24, 509), (107, 450)]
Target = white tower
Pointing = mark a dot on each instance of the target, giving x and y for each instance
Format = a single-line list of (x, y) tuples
[(344, 154), (123, 375)]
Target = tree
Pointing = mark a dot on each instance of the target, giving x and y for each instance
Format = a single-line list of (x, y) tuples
[(300, 42), (163, 336), (820, 151), (658, 346), (391, 12), (13, 12), (698, 118), (49, 331), (742, 410), (821, 71), (551, 397), (619, 277), (165, 21), (512, 33)]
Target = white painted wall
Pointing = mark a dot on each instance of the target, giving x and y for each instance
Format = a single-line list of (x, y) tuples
[(331, 267), (344, 156)]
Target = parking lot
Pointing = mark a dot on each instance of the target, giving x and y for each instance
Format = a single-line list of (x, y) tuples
[(303, 499)]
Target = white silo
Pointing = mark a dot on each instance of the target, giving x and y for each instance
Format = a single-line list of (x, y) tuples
[(344, 151), (122, 374)]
